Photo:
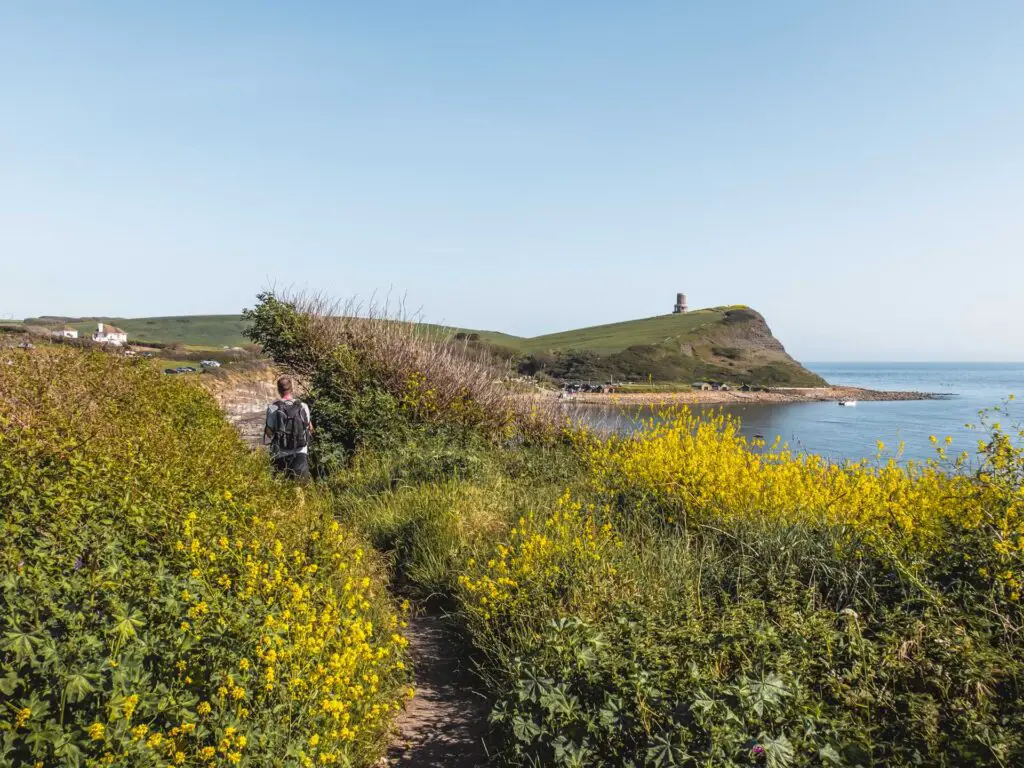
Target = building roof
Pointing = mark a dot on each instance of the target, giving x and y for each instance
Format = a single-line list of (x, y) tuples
[(111, 329)]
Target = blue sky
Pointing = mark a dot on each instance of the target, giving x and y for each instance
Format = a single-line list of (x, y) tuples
[(855, 171)]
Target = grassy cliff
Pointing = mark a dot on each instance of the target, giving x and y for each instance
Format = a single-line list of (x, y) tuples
[(615, 337), (732, 344)]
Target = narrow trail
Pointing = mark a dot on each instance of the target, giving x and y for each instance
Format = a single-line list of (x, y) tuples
[(244, 400), (445, 723)]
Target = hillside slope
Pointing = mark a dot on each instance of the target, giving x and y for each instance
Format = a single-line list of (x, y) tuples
[(196, 330), (732, 343), (615, 337)]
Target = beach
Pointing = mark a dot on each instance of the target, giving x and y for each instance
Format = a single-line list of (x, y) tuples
[(776, 395)]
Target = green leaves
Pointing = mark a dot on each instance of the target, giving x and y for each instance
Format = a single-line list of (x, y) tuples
[(9, 683), (829, 756), (611, 715), (532, 687), (78, 686), (558, 702), (23, 645), (570, 753), (525, 729), (778, 752), (763, 695), (666, 752), (126, 626)]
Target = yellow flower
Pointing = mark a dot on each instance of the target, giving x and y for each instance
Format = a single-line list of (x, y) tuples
[(128, 706), (204, 708), (96, 731)]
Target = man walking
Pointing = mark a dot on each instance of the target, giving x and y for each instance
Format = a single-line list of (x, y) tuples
[(289, 430)]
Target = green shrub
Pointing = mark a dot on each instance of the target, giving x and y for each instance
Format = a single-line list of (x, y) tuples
[(745, 644), (372, 377), (164, 600)]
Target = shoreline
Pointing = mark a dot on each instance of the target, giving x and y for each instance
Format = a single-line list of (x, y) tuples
[(779, 395)]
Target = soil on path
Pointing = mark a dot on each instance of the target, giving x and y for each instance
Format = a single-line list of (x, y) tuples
[(445, 723)]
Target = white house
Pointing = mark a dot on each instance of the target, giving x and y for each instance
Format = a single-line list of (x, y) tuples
[(67, 332), (109, 334)]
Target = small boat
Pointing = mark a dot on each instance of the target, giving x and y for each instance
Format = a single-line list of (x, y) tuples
[(848, 403)]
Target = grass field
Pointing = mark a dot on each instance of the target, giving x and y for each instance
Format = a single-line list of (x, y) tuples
[(616, 337), (204, 331), (216, 331)]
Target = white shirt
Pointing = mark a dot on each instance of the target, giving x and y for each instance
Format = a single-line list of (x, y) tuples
[(271, 424)]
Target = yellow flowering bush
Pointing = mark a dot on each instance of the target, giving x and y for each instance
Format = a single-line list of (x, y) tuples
[(750, 605), (695, 470), (165, 600), (549, 562)]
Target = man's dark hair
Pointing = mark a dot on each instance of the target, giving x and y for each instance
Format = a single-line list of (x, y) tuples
[(284, 385)]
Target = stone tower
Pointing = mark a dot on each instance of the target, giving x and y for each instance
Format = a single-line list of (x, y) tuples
[(680, 306)]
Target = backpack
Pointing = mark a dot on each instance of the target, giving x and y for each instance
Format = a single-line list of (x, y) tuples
[(291, 428)]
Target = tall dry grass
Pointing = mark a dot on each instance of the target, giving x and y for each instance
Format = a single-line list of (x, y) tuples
[(400, 350)]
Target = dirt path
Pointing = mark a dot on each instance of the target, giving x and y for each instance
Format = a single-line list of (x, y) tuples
[(445, 723), (244, 400)]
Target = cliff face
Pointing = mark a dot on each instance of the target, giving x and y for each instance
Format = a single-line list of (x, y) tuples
[(742, 344), (729, 344)]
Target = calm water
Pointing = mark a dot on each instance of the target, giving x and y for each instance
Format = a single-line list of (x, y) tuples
[(852, 433)]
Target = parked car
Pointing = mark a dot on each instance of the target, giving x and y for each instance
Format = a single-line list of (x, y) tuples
[(209, 364), (170, 370), (186, 369)]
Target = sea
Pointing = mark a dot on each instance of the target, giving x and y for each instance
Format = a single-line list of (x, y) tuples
[(840, 433)]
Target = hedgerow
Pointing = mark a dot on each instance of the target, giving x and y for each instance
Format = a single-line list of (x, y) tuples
[(164, 600)]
